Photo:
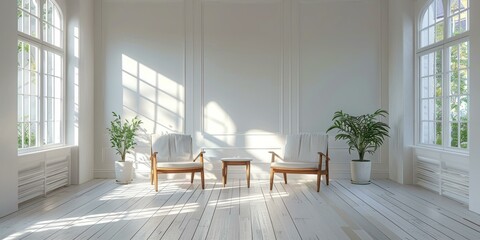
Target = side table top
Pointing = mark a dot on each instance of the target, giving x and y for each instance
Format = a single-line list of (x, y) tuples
[(236, 159)]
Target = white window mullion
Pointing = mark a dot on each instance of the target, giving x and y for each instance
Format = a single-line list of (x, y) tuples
[(445, 98)]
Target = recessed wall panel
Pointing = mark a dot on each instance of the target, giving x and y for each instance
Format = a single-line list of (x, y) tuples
[(242, 67), (339, 60), (145, 61)]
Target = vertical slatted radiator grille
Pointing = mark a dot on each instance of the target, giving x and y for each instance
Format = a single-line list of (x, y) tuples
[(438, 176), (40, 173)]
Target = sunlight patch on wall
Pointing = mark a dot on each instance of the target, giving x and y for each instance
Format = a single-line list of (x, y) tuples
[(158, 100), (217, 121)]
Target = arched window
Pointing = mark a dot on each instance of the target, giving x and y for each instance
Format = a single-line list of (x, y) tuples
[(40, 120), (444, 56)]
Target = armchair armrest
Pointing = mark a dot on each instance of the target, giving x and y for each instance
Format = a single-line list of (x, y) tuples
[(275, 155), (200, 155), (323, 154), (327, 159)]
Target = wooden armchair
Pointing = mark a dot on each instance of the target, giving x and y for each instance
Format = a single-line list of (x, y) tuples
[(172, 153), (304, 154)]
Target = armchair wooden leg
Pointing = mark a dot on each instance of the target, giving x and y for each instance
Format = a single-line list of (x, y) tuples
[(202, 176), (319, 176), (328, 178), (271, 179), (193, 175), (285, 177)]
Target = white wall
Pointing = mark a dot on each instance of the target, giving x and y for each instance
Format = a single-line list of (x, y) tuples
[(401, 89), (8, 108), (238, 75)]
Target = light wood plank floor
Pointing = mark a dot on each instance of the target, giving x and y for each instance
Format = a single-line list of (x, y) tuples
[(101, 209)]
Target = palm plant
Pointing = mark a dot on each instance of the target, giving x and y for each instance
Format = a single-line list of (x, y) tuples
[(122, 134), (363, 133)]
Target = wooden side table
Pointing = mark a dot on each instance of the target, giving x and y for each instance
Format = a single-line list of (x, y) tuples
[(235, 161)]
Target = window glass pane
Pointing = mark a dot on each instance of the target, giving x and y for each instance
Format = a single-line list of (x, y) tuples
[(33, 135), (424, 65), (438, 86), (438, 109), (58, 65), (464, 135), (33, 26), (454, 6), (26, 4), (463, 63), (463, 75), (26, 56), (454, 134), (49, 109), (19, 20), (57, 93), (34, 8), (424, 109), (453, 83), (425, 20), (26, 108), (439, 32), (26, 23), (463, 108), (439, 10), (438, 133), (20, 81), (438, 62), (453, 50), (20, 135), (34, 84), (34, 55), (33, 109), (57, 138), (424, 132), (58, 110), (26, 82), (463, 22), (424, 38), (431, 35), (431, 87), (19, 108), (424, 87), (431, 65), (431, 109), (431, 14), (453, 108)]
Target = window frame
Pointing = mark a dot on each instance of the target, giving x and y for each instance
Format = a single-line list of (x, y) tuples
[(443, 46), (43, 46)]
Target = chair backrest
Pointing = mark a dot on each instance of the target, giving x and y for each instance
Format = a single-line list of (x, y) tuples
[(172, 147), (180, 148), (305, 147)]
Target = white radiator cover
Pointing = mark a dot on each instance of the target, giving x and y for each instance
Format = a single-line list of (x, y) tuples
[(443, 172), (42, 172)]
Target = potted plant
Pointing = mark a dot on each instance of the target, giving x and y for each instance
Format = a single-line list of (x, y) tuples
[(365, 134), (122, 138)]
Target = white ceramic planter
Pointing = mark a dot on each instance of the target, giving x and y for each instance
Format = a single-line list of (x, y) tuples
[(360, 171), (123, 172)]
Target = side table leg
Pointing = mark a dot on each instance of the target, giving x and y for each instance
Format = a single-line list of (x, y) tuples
[(248, 174), (223, 174)]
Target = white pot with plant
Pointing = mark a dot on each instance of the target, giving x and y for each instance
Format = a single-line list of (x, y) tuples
[(365, 134), (122, 138)]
